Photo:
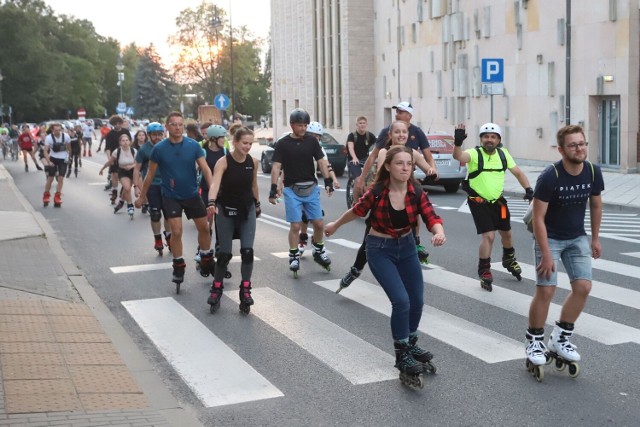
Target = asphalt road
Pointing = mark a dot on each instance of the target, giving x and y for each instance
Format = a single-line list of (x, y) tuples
[(324, 357)]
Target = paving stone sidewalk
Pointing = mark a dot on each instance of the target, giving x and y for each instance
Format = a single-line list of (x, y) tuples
[(64, 358)]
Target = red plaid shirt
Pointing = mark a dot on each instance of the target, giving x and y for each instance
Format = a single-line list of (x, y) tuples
[(379, 207)]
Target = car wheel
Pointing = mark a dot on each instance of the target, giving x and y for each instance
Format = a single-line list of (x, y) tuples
[(451, 188), (266, 167)]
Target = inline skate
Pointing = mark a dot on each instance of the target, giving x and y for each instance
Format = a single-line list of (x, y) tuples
[(167, 239), (246, 301), (157, 245), (411, 371), (484, 271), (119, 206), (130, 211), (352, 275), (421, 355), (302, 243), (215, 295), (320, 256), (562, 351), (536, 353), (178, 273), (46, 198), (206, 264), (114, 196), (294, 262), (509, 262), (57, 200)]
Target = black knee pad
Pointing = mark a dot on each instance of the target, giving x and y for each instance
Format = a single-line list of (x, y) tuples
[(155, 215), (246, 255), (223, 259)]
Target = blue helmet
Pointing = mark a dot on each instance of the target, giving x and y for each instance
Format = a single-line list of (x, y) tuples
[(216, 131), (154, 127)]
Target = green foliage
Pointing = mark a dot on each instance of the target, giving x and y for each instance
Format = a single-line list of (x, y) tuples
[(153, 88)]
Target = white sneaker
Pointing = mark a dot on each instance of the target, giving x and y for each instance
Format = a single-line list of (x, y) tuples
[(559, 344), (535, 349)]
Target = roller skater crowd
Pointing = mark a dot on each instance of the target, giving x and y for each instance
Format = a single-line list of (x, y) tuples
[(207, 173)]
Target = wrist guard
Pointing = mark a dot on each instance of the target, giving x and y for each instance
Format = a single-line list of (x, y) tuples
[(212, 202), (458, 137), (328, 182), (528, 194), (273, 193)]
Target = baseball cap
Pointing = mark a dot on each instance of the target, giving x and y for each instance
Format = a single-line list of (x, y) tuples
[(404, 106)]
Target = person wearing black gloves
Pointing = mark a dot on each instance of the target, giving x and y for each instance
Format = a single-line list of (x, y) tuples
[(487, 165), (294, 154)]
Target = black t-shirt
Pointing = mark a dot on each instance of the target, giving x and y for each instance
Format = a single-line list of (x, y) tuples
[(417, 139), (361, 144), (75, 145), (567, 196), (112, 141), (297, 156)]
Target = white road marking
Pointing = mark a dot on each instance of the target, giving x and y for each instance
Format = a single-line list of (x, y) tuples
[(215, 373), (590, 326), (160, 266), (600, 290), (633, 254), (617, 267), (97, 184), (346, 243), (350, 356), (480, 342)]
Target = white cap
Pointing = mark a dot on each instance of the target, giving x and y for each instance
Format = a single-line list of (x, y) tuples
[(404, 106)]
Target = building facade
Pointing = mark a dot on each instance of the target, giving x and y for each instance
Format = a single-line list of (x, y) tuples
[(546, 63)]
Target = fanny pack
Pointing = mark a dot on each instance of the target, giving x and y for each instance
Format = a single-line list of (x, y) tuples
[(304, 189), (233, 212)]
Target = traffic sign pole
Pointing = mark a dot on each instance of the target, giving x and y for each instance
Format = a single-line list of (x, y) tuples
[(492, 78)]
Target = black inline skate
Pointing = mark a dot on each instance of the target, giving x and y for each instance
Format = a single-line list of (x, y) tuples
[(411, 371), (421, 355), (246, 301), (320, 256), (167, 239), (484, 271), (119, 206), (352, 275), (178, 273), (206, 264), (215, 295), (294, 263), (509, 262)]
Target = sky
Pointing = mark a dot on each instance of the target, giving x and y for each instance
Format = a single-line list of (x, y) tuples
[(152, 21)]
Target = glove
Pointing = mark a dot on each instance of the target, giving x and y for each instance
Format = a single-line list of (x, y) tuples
[(258, 210), (459, 136), (273, 193), (528, 194), (328, 182)]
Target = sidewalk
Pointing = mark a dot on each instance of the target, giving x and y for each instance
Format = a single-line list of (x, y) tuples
[(64, 358), (621, 190)]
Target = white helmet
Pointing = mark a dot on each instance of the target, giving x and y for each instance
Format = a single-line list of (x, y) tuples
[(490, 128), (315, 128)]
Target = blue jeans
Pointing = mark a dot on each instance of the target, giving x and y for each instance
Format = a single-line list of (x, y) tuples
[(395, 265)]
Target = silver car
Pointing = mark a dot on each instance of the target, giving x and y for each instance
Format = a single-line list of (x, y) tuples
[(451, 171)]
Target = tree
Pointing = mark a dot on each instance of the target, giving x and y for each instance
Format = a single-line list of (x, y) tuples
[(152, 91), (205, 60)]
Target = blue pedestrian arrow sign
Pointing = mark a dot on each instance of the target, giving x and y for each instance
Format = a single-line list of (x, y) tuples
[(221, 101), (492, 70)]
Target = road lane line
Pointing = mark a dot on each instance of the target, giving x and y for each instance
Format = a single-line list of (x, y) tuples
[(473, 339), (347, 354), (590, 326), (600, 290), (633, 254), (215, 373), (161, 266)]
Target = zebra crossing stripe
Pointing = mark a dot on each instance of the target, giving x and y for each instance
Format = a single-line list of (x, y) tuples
[(479, 342), (600, 290), (215, 373), (617, 268), (596, 328), (160, 266), (352, 357), (633, 254)]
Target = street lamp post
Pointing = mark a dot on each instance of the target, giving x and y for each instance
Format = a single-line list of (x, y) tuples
[(120, 68), (1, 103), (216, 24)]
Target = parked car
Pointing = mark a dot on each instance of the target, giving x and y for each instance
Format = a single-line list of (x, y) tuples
[(451, 171), (336, 154)]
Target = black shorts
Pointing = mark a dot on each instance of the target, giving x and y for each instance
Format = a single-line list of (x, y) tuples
[(193, 208), (124, 173), (490, 216), (59, 166), (154, 198), (113, 168)]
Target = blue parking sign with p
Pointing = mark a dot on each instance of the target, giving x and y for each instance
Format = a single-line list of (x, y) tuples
[(492, 70)]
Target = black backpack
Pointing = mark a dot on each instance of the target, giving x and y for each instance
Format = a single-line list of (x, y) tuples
[(465, 184)]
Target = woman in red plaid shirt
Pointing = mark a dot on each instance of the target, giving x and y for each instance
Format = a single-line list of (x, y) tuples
[(395, 205)]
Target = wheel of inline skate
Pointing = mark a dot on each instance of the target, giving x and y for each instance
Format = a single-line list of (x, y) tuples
[(574, 370), (177, 288), (295, 274), (538, 372), (519, 277), (548, 358), (214, 307), (430, 368), (245, 309), (328, 268), (560, 365), (419, 381)]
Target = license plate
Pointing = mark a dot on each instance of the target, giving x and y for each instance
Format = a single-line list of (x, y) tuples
[(443, 162), (330, 150)]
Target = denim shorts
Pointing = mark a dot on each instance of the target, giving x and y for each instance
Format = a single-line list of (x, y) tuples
[(294, 205), (575, 255)]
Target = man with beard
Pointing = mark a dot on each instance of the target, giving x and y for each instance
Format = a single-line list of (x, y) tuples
[(487, 166), (559, 205)]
